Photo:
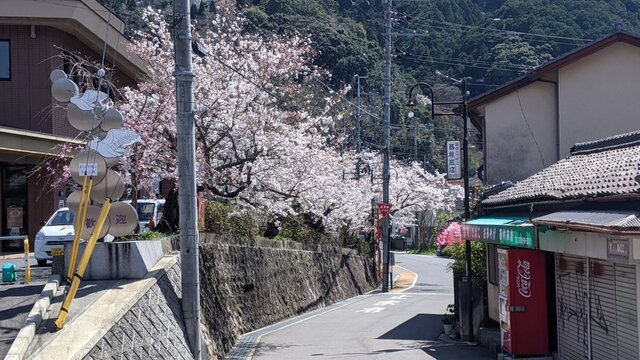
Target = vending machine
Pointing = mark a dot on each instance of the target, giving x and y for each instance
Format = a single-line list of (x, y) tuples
[(523, 302)]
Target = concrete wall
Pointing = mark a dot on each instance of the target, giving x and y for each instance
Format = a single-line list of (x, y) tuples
[(598, 95), (518, 127), (245, 288)]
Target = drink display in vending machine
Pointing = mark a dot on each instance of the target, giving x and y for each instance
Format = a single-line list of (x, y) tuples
[(523, 302)]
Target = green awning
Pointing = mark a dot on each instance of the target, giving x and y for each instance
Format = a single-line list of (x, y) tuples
[(503, 230)]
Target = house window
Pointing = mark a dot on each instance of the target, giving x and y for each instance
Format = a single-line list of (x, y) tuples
[(5, 60)]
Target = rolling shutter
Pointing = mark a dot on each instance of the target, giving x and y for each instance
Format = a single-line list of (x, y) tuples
[(626, 311), (572, 305), (597, 312), (602, 299)]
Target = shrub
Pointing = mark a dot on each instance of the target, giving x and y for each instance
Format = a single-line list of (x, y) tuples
[(478, 260)]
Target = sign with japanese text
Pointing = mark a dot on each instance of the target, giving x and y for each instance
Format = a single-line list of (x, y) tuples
[(453, 160), (517, 236), (384, 209), (618, 250)]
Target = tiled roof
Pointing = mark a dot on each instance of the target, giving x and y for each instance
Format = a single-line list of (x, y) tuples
[(609, 219), (601, 168)]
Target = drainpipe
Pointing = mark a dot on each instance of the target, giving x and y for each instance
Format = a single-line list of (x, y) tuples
[(557, 95)]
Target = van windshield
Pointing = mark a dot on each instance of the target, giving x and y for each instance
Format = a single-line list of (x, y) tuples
[(61, 218), (145, 211)]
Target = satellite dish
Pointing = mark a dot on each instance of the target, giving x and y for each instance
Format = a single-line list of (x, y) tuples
[(90, 163), (111, 186), (123, 219), (73, 201), (113, 119), (64, 89), (57, 74), (83, 120), (90, 223)]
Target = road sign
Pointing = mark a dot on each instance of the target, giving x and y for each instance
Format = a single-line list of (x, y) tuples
[(384, 209)]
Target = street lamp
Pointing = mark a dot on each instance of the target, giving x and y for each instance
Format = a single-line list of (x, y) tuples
[(465, 150)]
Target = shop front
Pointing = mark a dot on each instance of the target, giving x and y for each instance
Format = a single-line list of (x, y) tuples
[(517, 279), (596, 283)]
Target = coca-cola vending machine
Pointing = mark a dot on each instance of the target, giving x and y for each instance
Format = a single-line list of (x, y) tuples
[(523, 302)]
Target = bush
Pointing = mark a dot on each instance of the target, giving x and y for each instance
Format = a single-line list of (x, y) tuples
[(478, 260), (220, 219)]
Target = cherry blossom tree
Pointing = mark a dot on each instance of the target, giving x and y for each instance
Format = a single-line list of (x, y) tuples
[(265, 136)]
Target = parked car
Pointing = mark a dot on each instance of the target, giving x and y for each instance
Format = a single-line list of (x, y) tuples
[(149, 213), (54, 234)]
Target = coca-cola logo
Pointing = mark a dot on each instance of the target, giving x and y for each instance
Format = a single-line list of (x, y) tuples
[(523, 279)]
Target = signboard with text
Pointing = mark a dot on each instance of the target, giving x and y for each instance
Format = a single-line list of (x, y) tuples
[(517, 236), (453, 160)]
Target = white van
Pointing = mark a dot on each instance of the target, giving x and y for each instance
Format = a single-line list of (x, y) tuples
[(148, 209)]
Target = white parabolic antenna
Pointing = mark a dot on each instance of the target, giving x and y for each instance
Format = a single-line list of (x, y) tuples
[(57, 74), (73, 201), (111, 186), (113, 119), (123, 219), (64, 89), (90, 163), (90, 222), (82, 120)]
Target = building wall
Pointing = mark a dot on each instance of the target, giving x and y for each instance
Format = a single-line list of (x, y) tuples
[(26, 101), (520, 133), (598, 95)]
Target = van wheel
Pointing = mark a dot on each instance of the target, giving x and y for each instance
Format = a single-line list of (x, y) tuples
[(42, 262)]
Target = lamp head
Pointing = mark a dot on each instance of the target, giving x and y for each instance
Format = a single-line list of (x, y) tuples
[(411, 103)]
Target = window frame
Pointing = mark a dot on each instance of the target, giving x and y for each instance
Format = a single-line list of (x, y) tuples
[(8, 41)]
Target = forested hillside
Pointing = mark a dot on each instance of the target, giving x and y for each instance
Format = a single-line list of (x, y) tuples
[(488, 42)]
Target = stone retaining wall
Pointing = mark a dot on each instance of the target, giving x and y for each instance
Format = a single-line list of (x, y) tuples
[(246, 287)]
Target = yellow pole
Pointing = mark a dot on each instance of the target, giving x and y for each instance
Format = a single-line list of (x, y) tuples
[(82, 266), (80, 218), (27, 263)]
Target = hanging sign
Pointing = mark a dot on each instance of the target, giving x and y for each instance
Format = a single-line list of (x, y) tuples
[(384, 209), (453, 160)]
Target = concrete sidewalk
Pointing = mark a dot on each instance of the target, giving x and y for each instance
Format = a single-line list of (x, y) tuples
[(97, 307)]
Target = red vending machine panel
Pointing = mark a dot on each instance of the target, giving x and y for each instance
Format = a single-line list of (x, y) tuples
[(523, 302)]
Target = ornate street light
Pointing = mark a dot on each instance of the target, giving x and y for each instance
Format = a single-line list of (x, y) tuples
[(465, 149)]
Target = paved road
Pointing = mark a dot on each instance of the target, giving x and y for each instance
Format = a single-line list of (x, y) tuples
[(404, 325), (17, 300)]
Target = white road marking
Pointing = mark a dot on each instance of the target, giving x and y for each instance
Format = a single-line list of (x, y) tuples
[(386, 302), (371, 310)]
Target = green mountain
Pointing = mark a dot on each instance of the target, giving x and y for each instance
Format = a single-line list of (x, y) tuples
[(488, 42)]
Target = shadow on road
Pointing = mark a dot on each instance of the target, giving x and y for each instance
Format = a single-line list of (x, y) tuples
[(419, 327), (456, 351)]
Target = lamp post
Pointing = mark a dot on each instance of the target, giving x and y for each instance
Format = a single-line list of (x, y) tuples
[(465, 172)]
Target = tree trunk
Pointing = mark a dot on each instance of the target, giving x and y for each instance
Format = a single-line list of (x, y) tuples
[(170, 217)]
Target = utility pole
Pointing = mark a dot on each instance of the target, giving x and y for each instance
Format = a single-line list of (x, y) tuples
[(387, 145), (467, 212), (415, 142), (358, 124), (189, 237)]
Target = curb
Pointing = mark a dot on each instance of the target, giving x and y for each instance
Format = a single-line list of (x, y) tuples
[(20, 345)]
